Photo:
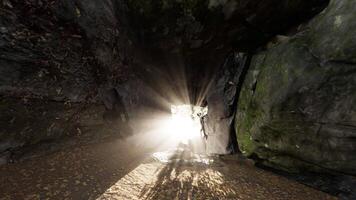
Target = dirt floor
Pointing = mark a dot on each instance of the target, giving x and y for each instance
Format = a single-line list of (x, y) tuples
[(124, 169)]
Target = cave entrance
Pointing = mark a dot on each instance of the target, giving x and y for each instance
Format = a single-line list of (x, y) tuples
[(185, 128), (188, 122)]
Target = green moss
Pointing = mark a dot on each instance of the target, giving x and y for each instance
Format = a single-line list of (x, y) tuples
[(244, 137), (245, 121), (285, 94)]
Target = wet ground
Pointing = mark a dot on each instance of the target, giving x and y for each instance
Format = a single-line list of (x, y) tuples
[(122, 169)]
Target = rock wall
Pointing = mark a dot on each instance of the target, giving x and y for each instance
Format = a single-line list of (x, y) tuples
[(296, 110), (111, 56), (55, 58), (221, 100), (202, 33)]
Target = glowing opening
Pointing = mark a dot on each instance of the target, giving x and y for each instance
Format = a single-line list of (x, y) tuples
[(186, 122), (185, 135)]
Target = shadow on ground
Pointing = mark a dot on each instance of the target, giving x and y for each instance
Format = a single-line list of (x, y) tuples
[(227, 178), (125, 169)]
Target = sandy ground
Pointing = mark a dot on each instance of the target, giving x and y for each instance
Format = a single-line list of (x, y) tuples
[(123, 169)]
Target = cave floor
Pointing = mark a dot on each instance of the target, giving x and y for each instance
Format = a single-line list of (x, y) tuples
[(121, 169)]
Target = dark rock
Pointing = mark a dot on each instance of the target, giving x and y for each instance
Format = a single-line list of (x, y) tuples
[(63, 51), (337, 41), (39, 121), (48, 63), (241, 23), (296, 108), (8, 145), (137, 97), (221, 102), (338, 185), (5, 157), (54, 57), (181, 26), (115, 113), (104, 24)]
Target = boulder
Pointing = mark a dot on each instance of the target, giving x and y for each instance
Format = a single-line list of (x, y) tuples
[(221, 102), (296, 110)]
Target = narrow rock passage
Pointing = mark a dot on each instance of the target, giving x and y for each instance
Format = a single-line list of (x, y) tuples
[(119, 169)]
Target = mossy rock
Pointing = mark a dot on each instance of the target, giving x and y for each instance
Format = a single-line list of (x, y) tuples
[(296, 110)]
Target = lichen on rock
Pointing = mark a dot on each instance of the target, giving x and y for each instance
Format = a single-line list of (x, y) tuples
[(296, 108)]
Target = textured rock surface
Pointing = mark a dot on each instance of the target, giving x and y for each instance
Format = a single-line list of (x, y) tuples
[(55, 55), (204, 32), (65, 52), (200, 24), (60, 50), (297, 109), (221, 105)]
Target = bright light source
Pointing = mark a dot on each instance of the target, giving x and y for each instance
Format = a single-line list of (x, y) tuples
[(180, 129), (185, 123)]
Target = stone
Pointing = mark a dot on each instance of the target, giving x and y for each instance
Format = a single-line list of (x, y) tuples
[(54, 58), (220, 101), (296, 107), (4, 157)]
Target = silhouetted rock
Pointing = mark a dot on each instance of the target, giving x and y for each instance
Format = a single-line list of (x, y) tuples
[(221, 104)]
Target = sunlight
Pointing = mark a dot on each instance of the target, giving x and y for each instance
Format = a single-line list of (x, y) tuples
[(154, 181), (169, 131), (185, 123)]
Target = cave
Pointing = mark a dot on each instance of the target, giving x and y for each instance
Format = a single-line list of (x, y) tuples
[(177, 99)]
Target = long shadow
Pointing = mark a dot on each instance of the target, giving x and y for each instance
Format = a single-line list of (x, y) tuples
[(87, 172), (181, 179), (168, 185), (225, 179)]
